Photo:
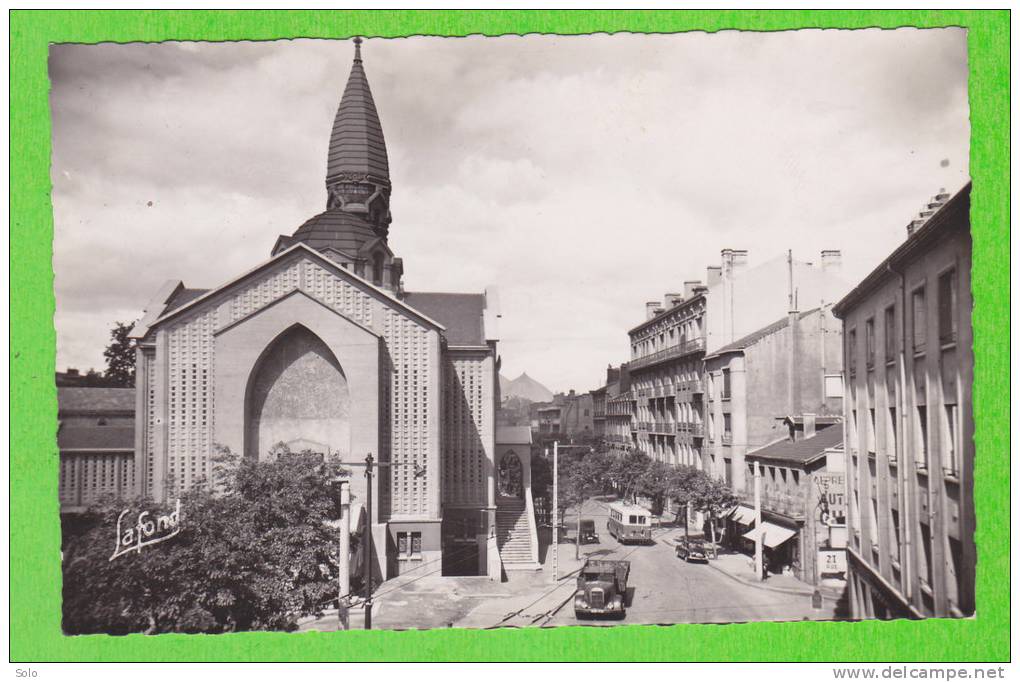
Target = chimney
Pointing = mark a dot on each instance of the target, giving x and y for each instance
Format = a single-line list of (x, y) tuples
[(734, 262), (714, 275), (809, 425), (689, 287), (673, 300), (651, 308), (832, 261), (930, 209)]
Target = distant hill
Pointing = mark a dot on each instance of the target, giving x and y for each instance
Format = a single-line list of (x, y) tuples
[(524, 387)]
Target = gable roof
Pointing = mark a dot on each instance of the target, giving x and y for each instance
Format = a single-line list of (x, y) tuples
[(801, 452), (756, 336), (513, 435), (93, 400), (322, 259), (461, 314), (183, 297)]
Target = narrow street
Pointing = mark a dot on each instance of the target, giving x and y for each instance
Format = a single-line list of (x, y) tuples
[(664, 589)]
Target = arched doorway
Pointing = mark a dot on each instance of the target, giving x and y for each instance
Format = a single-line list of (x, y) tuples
[(511, 482), (298, 396)]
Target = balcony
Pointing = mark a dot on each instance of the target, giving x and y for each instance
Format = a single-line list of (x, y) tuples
[(663, 427), (727, 439), (696, 386), (697, 429), (678, 351)]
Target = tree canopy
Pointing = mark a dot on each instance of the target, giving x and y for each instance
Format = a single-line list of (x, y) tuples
[(120, 356), (255, 552)]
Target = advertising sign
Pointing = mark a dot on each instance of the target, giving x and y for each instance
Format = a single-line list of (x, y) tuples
[(831, 498)]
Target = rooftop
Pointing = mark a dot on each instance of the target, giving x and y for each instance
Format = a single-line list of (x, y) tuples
[(92, 400), (801, 452), (461, 314), (756, 336), (96, 438)]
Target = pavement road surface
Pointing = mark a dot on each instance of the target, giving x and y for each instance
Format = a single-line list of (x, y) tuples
[(666, 590)]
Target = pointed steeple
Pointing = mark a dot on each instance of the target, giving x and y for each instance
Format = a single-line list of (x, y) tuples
[(354, 228), (357, 149)]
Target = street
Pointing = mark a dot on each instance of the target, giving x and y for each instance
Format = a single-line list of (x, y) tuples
[(666, 590)]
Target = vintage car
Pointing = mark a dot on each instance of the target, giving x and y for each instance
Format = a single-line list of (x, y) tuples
[(691, 550), (587, 533)]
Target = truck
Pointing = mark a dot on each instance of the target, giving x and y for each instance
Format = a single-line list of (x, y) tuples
[(602, 588)]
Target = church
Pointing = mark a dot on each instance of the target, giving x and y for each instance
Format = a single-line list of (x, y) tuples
[(321, 348)]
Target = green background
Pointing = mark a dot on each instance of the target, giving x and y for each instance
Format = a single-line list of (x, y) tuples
[(35, 533)]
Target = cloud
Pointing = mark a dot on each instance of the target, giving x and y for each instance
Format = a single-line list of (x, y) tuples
[(582, 175)]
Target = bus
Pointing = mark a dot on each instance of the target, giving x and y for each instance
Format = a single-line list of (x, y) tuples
[(629, 523)]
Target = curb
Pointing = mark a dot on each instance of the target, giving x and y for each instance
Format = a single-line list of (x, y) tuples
[(781, 590)]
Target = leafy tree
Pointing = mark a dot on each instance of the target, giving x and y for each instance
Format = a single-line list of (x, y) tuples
[(255, 552), (120, 356), (582, 476), (713, 498), (628, 471)]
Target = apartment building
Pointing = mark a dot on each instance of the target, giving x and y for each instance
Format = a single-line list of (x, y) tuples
[(909, 423)]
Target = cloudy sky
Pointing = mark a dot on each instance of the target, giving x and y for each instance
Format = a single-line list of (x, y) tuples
[(582, 176)]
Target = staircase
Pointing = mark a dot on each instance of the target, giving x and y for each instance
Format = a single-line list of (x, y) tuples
[(513, 534)]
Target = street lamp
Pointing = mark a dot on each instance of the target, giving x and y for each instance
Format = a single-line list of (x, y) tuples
[(419, 470)]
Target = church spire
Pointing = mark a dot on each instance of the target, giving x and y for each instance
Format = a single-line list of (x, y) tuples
[(357, 168)]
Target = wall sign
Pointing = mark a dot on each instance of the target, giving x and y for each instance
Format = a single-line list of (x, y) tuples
[(831, 498), (832, 564), (148, 530)]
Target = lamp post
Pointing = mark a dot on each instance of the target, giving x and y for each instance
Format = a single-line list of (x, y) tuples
[(369, 464), (759, 536), (343, 607)]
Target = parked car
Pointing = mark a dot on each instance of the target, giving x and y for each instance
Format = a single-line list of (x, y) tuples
[(588, 533), (691, 550)]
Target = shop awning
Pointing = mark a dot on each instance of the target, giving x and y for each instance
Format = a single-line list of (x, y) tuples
[(743, 515), (774, 535)]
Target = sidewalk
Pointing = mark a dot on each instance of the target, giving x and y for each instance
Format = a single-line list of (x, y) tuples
[(740, 567), (431, 601)]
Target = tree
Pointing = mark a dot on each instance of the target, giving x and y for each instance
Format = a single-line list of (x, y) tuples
[(120, 356), (582, 476), (627, 472), (255, 552), (713, 498)]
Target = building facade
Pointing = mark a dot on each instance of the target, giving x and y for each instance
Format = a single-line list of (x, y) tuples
[(95, 435), (802, 492), (320, 348), (673, 407), (910, 451), (789, 367)]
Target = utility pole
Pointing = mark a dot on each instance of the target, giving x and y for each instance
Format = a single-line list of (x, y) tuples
[(555, 507), (343, 607), (368, 544), (759, 537)]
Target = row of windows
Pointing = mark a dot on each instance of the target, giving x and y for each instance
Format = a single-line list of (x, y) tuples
[(946, 323)]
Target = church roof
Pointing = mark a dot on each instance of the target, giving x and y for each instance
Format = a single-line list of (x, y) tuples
[(356, 145), (334, 228), (183, 297), (461, 314)]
